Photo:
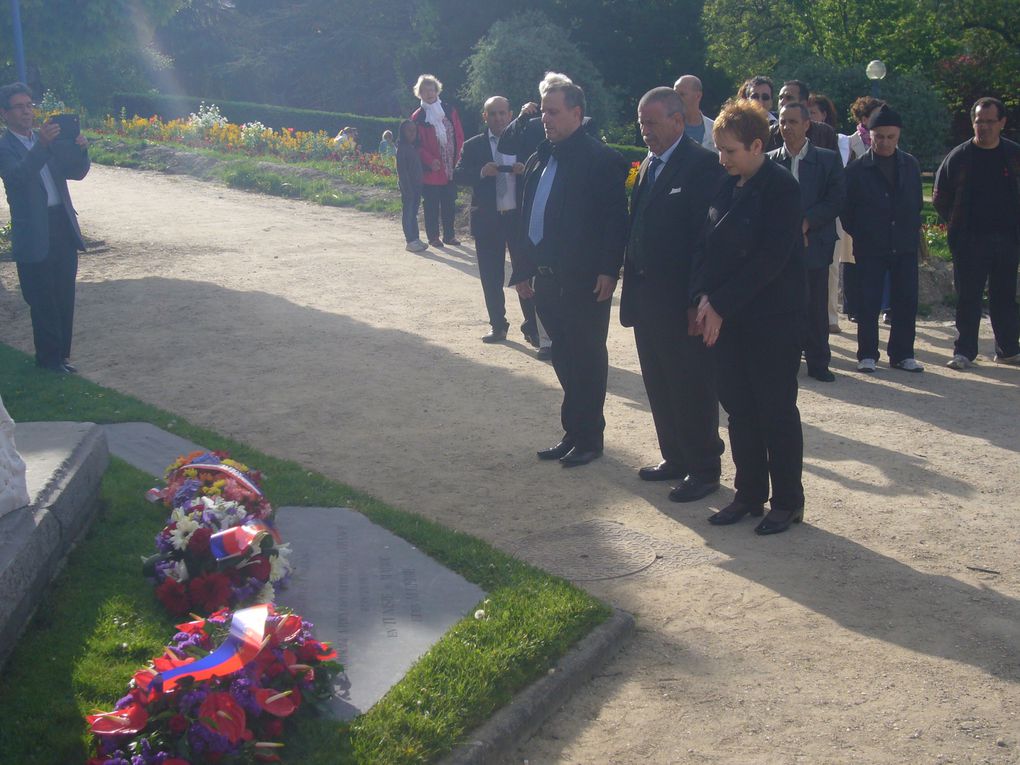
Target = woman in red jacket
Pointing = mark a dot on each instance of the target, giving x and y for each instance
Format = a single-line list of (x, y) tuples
[(440, 138)]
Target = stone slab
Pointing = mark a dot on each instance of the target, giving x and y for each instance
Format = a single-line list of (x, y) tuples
[(65, 462), (379, 600), (146, 447)]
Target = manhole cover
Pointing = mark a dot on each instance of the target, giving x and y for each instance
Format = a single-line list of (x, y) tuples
[(584, 552)]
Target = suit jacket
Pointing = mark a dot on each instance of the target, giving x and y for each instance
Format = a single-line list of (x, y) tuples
[(672, 225), (476, 153), (26, 194), (881, 220), (750, 265), (820, 134), (585, 216), (822, 193), (523, 136)]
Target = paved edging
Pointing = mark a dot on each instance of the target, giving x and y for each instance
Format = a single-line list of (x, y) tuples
[(494, 741)]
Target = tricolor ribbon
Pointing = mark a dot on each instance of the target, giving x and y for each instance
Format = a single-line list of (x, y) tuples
[(246, 638), (232, 472), (237, 539)]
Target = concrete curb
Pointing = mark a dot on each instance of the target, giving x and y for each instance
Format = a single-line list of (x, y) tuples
[(494, 741), (35, 540)]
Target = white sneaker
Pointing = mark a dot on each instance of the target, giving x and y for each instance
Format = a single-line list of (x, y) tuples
[(1014, 360), (416, 246), (909, 365), (959, 361), (866, 365)]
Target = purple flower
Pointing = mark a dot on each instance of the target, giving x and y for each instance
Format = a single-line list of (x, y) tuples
[(205, 740), (191, 701), (163, 543), (241, 690), (188, 490), (206, 459), (124, 701)]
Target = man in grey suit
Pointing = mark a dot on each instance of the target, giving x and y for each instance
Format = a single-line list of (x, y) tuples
[(35, 166), (822, 193), (669, 205)]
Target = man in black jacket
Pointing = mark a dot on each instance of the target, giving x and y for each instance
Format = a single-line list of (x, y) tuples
[(883, 215), (822, 192), (574, 225), (977, 193), (669, 204), (495, 214), (35, 166), (820, 134)]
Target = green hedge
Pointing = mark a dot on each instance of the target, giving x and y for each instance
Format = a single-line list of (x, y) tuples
[(630, 153), (239, 112)]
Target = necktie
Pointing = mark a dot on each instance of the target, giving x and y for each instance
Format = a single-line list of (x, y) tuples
[(653, 169), (536, 226)]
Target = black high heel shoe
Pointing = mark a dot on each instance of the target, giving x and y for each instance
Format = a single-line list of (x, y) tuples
[(734, 511), (778, 521)]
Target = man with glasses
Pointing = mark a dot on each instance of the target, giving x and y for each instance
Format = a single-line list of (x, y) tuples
[(977, 193), (820, 134), (35, 166), (759, 88)]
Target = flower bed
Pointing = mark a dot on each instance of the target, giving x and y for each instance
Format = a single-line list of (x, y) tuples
[(208, 129)]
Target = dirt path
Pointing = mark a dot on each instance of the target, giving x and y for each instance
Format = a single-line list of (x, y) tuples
[(861, 636)]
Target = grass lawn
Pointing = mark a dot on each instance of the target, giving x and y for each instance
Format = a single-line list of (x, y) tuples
[(100, 621)]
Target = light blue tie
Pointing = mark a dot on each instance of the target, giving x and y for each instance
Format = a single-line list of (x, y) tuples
[(536, 226)]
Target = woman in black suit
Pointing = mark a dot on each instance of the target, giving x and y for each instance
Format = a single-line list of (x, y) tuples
[(748, 285)]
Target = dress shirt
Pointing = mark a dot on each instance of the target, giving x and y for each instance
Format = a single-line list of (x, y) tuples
[(506, 183), (664, 157), (52, 195), (536, 226), (795, 158)]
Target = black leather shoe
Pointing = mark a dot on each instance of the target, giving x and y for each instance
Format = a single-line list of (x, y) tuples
[(70, 369), (451, 241), (555, 452), (734, 512), (778, 521), (822, 375), (57, 368), (664, 471), (495, 335), (577, 456), (691, 489)]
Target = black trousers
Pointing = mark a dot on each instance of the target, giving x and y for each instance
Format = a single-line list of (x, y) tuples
[(493, 237), (815, 327), (578, 326), (976, 260), (679, 376), (757, 364), (48, 288), (440, 201), (901, 270)]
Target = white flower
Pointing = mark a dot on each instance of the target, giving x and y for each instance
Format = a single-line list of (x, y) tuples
[(180, 536), (279, 565), (178, 571), (479, 614), (266, 595)]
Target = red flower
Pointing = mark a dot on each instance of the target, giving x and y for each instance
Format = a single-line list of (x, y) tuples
[(178, 724), (272, 728), (173, 597), (210, 591), (219, 712), (199, 542), (168, 661), (276, 703), (123, 722), (258, 567)]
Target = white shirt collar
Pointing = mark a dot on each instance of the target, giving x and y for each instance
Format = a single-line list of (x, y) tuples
[(668, 152)]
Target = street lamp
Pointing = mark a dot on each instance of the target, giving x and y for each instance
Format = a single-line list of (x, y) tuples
[(876, 72)]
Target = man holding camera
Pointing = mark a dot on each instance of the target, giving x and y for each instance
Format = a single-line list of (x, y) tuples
[(35, 166)]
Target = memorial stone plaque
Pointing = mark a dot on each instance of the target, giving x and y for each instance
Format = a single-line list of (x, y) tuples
[(146, 447), (379, 600)]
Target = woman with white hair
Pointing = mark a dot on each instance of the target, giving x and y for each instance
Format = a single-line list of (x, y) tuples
[(440, 138)]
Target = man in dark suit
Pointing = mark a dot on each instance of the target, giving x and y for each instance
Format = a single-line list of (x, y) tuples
[(820, 134), (523, 135), (822, 193), (669, 204), (35, 166), (574, 225), (495, 215)]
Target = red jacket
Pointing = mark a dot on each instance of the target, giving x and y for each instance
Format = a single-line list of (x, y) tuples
[(428, 144)]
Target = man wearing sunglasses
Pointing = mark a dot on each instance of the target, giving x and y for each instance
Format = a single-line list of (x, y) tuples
[(759, 88), (820, 134), (35, 166)]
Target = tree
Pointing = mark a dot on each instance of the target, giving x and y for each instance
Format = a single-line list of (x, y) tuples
[(85, 50), (516, 53)]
